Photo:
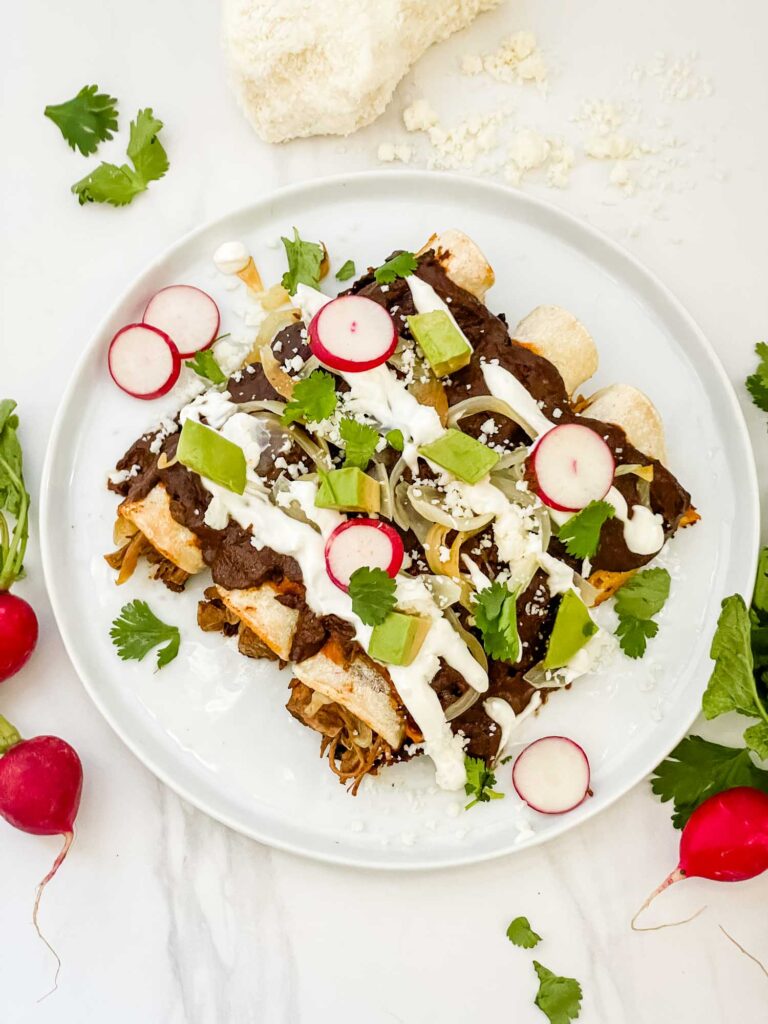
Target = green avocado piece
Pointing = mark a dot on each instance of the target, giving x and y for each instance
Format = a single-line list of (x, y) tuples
[(441, 341), (205, 452), (573, 628), (349, 490), (462, 455), (398, 639)]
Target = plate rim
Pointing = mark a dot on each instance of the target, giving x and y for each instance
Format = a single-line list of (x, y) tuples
[(619, 252)]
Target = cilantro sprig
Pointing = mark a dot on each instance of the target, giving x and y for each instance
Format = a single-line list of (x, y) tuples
[(137, 630), (304, 262), (558, 998), (637, 601), (118, 186), (581, 533), (314, 399), (360, 441), (480, 782), (345, 271), (87, 119), (698, 769), (757, 382), (495, 613), (401, 265), (204, 364), (14, 499), (521, 934), (373, 595)]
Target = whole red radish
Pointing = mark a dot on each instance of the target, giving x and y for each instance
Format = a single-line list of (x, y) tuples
[(18, 624), (41, 780), (725, 839), (18, 633)]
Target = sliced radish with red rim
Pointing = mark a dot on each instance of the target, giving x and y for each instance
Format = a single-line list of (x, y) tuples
[(552, 775), (359, 543), (352, 333), (573, 466), (186, 314), (143, 361)]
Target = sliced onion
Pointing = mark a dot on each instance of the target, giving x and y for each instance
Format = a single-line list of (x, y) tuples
[(275, 374), (317, 450), (292, 509), (644, 472), (423, 504), (544, 678), (387, 509), (486, 403), (587, 592), (262, 405), (274, 297), (445, 590)]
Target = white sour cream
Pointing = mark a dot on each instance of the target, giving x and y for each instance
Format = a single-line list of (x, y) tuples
[(643, 530), (500, 711), (231, 257), (504, 385)]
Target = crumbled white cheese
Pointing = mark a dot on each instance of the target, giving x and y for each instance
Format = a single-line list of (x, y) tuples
[(518, 59), (389, 152)]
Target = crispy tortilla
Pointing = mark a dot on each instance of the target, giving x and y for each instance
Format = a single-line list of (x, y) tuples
[(152, 515), (628, 407), (557, 335), (462, 260)]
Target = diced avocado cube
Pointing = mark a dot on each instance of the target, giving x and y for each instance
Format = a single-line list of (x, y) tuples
[(441, 341), (462, 455), (205, 452), (348, 490), (398, 639), (573, 628)]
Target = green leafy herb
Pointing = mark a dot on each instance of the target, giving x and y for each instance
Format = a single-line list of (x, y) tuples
[(346, 271), (559, 999), (304, 261), (117, 186), (395, 439), (640, 598), (14, 499), (360, 440), (86, 120), (401, 265), (581, 533), (733, 685), (373, 595), (697, 769), (314, 399), (204, 364), (137, 630), (480, 782), (521, 934), (495, 613), (757, 382)]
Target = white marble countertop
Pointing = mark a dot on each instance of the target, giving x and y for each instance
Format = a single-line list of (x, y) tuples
[(161, 914)]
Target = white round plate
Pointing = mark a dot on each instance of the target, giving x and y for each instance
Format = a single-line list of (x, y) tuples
[(213, 725)]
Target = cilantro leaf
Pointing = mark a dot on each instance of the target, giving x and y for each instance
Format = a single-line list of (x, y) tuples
[(559, 999), (137, 630), (480, 782), (697, 769), (144, 149), (395, 439), (346, 271), (757, 382), (373, 595), (360, 440), (86, 120), (314, 399), (641, 597), (401, 265), (109, 183), (304, 261), (204, 364), (14, 498), (117, 186), (581, 533), (521, 934), (495, 613)]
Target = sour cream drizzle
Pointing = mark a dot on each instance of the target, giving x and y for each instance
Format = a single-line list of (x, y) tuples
[(288, 536), (500, 711)]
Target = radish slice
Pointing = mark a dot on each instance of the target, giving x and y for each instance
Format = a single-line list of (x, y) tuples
[(362, 542), (352, 333), (573, 466), (143, 361), (186, 314), (552, 775)]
